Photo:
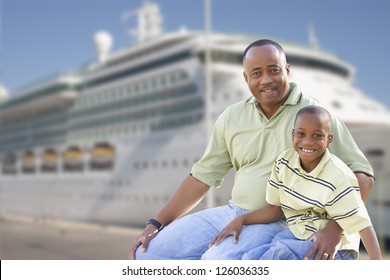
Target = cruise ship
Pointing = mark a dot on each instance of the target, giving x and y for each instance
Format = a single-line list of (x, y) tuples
[(111, 141)]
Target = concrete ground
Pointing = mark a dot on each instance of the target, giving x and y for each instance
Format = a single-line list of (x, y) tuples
[(26, 239), (23, 238)]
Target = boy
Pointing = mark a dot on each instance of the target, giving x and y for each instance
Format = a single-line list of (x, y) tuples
[(309, 186)]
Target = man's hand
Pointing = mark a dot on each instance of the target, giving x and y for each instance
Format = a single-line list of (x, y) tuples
[(189, 193), (143, 239), (326, 242)]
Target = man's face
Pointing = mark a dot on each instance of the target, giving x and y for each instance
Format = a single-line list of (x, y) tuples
[(266, 73)]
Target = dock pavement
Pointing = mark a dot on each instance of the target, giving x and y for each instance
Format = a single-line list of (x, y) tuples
[(24, 238)]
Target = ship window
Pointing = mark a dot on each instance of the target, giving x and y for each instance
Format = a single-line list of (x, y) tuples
[(376, 158), (136, 88), (368, 107), (153, 84), (183, 75), (337, 104), (375, 152), (129, 89), (173, 78), (122, 92), (163, 81)]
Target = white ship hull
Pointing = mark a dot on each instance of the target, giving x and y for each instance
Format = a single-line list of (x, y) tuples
[(145, 174)]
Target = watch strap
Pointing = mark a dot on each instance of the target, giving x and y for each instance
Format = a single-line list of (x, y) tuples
[(156, 223)]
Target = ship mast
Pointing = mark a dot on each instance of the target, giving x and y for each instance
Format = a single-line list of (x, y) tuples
[(149, 21), (313, 40), (210, 199), (3, 90)]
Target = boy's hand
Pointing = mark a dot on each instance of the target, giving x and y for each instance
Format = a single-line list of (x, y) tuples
[(233, 228)]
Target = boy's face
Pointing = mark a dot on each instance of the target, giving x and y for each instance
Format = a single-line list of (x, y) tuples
[(311, 136)]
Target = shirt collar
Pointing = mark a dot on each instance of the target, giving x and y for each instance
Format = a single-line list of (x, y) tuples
[(314, 173)]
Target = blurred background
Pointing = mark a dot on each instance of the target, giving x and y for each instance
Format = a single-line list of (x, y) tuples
[(106, 104)]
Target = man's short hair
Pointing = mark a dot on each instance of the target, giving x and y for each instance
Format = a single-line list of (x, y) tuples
[(262, 42)]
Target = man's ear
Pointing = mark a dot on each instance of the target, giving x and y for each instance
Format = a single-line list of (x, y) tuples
[(245, 76), (330, 139)]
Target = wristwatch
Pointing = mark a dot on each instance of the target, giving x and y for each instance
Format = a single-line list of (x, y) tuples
[(156, 223)]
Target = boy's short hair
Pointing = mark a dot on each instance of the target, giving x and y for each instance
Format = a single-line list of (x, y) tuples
[(315, 110)]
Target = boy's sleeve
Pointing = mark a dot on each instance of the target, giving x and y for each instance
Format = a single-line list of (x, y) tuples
[(346, 207)]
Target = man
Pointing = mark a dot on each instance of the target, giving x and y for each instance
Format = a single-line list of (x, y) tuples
[(247, 136)]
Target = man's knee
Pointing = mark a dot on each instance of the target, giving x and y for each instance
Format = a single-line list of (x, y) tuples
[(226, 250), (141, 255)]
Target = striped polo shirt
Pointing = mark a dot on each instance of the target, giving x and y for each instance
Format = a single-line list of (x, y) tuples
[(310, 200)]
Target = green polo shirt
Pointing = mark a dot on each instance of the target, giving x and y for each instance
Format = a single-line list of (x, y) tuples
[(244, 139), (310, 200)]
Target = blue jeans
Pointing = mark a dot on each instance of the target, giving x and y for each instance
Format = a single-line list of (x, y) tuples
[(285, 246), (188, 238)]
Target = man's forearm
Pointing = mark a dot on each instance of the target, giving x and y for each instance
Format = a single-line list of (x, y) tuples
[(187, 196), (365, 184)]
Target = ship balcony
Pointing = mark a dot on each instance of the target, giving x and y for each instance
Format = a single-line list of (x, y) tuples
[(29, 107)]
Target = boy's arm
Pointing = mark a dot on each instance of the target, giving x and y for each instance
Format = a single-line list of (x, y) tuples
[(264, 215), (370, 242)]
